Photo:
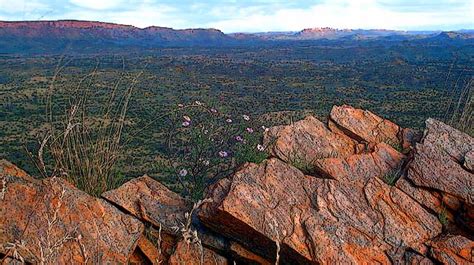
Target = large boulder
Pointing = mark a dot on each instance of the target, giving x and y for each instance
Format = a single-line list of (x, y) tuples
[(439, 161), (50, 221), (352, 218), (308, 140), (150, 201), (365, 126)]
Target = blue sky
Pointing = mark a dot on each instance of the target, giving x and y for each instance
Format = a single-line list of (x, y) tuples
[(253, 16)]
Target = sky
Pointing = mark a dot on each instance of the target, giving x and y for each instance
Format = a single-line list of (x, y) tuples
[(253, 16)]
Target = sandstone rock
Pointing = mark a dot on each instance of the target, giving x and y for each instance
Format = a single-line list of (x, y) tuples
[(365, 126), (452, 249), (52, 217), (150, 251), (193, 254), (438, 161), (383, 160), (353, 218), (309, 140), (150, 201), (412, 258), (430, 199), (469, 160)]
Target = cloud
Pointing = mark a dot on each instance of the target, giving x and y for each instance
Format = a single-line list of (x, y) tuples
[(348, 14), (97, 4), (253, 15)]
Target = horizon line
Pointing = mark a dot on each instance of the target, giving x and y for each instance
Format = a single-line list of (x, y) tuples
[(235, 32)]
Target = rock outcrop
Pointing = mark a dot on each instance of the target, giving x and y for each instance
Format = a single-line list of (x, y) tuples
[(51, 222), (357, 190)]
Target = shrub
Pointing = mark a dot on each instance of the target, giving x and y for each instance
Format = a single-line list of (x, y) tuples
[(205, 143)]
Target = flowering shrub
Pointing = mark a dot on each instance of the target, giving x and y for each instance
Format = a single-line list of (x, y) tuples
[(205, 144)]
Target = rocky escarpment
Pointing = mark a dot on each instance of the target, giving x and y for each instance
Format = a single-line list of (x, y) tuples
[(357, 190)]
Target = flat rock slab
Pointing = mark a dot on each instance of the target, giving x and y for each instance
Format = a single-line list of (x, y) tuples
[(358, 220), (51, 221), (364, 125), (308, 140), (150, 201), (439, 159)]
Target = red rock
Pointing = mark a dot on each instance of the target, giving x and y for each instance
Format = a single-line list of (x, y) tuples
[(353, 218), (52, 217), (192, 254), (364, 126), (430, 199), (452, 249), (150, 251), (438, 161), (308, 139), (150, 201), (412, 258)]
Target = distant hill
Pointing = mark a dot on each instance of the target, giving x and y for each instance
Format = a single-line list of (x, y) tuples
[(92, 36)]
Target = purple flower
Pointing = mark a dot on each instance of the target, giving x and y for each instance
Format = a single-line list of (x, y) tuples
[(186, 124), (246, 117), (239, 138), (183, 172), (249, 130), (223, 154)]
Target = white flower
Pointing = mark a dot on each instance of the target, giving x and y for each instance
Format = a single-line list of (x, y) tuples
[(186, 124), (246, 117), (223, 154), (265, 129), (229, 120), (198, 103), (183, 172), (249, 130), (213, 110), (206, 162), (180, 105), (186, 118), (260, 148)]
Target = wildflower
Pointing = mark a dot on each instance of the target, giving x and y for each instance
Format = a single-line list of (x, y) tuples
[(239, 138), (246, 117), (249, 130), (180, 105), (260, 148), (198, 103), (187, 118), (213, 110), (265, 129), (229, 120), (186, 124), (223, 154), (183, 172), (206, 131), (206, 162)]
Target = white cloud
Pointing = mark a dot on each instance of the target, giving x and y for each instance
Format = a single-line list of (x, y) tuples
[(346, 14)]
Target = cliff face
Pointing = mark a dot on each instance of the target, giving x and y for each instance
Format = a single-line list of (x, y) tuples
[(357, 190)]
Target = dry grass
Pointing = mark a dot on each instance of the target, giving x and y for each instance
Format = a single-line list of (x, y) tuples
[(460, 109), (84, 144)]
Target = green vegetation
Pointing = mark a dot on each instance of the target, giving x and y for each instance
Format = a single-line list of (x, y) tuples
[(402, 81), (392, 176)]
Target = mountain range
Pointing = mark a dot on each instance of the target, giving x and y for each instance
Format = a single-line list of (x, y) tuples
[(34, 36)]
